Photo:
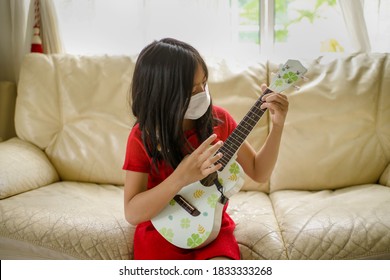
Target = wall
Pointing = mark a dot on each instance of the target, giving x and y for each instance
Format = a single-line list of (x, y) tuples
[(7, 74), (7, 110), (6, 58)]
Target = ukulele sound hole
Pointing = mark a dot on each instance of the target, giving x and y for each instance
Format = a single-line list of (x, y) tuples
[(209, 180)]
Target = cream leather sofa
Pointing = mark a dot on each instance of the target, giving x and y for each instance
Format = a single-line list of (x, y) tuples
[(61, 182)]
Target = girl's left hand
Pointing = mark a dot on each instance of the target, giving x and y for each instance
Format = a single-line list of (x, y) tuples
[(277, 104)]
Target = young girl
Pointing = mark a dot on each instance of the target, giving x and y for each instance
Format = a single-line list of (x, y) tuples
[(174, 143)]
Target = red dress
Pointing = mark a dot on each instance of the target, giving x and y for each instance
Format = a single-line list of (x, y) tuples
[(148, 243)]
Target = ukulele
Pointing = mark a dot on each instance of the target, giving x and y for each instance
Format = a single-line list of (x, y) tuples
[(193, 217)]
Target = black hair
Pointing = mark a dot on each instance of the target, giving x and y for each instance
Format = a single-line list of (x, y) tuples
[(160, 92)]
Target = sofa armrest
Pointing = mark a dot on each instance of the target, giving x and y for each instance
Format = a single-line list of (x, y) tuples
[(23, 167), (385, 177)]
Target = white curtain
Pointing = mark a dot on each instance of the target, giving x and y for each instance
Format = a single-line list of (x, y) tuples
[(51, 39), (356, 25), (377, 14)]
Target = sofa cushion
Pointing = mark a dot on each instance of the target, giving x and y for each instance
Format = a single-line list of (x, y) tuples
[(77, 220), (337, 129), (70, 220), (348, 223), (257, 230), (75, 108)]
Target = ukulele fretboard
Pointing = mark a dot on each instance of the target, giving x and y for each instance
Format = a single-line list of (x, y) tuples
[(241, 132)]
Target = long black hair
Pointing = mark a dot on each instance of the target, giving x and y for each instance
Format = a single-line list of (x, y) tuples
[(160, 94)]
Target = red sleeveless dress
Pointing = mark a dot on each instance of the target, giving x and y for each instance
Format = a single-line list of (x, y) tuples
[(148, 243)]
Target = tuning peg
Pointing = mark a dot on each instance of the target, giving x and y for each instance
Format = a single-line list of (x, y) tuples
[(273, 74)]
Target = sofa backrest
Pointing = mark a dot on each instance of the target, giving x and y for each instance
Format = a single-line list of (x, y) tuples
[(337, 131), (76, 109)]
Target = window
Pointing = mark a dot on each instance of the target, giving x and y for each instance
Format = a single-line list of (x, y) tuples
[(293, 27), (310, 27)]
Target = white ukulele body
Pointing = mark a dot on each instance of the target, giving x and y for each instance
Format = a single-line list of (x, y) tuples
[(189, 231)]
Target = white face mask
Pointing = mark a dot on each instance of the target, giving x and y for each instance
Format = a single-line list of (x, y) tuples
[(198, 106)]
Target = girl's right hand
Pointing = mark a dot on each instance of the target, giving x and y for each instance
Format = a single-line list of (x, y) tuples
[(200, 163)]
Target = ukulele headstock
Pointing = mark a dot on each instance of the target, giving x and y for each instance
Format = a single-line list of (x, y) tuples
[(288, 74)]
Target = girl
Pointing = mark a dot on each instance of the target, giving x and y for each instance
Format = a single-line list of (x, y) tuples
[(174, 141)]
